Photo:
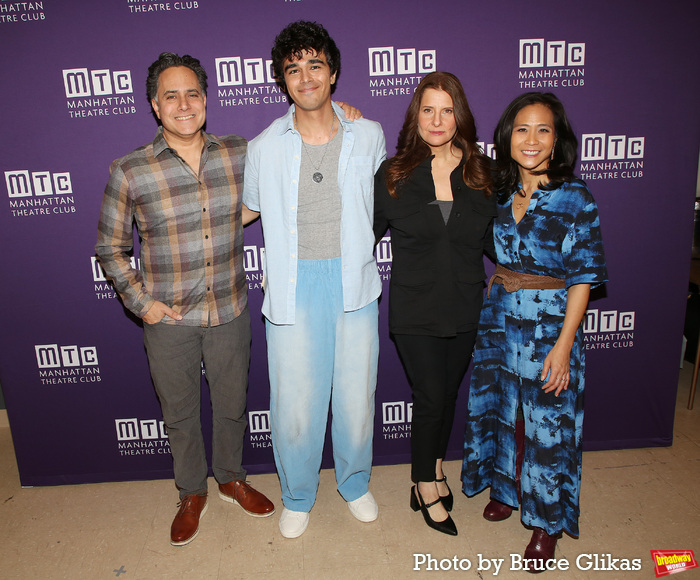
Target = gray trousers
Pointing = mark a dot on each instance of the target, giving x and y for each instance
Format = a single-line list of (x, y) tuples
[(174, 354)]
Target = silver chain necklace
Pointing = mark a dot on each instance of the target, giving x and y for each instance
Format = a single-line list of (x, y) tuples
[(317, 176)]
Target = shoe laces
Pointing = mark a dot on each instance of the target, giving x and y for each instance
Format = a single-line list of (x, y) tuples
[(186, 504), (242, 489)]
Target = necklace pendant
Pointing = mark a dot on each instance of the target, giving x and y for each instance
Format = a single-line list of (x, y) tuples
[(317, 177)]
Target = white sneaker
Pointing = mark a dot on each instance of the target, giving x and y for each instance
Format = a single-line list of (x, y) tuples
[(364, 508), (293, 524)]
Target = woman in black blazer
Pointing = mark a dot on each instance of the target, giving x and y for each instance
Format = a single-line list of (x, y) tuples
[(435, 197)]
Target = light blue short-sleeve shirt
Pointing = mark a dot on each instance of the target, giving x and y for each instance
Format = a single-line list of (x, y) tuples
[(271, 187)]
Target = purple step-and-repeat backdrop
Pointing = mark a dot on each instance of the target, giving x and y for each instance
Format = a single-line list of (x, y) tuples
[(72, 364)]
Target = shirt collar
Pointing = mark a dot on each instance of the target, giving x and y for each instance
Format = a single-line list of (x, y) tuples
[(160, 144), (288, 120)]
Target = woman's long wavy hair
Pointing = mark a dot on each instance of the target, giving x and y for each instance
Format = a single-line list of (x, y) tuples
[(411, 150), (561, 166)]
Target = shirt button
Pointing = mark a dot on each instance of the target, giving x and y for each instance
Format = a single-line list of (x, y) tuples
[(293, 255), (208, 263), (206, 237), (293, 208), (293, 232), (208, 288), (294, 181), (204, 209)]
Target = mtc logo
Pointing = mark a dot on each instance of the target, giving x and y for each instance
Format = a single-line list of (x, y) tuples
[(135, 429), (383, 250), (599, 147), (231, 71), (253, 258), (98, 274), (51, 356), (397, 412), (608, 321), (259, 421), (385, 61), (487, 149), (536, 52), (21, 183), (81, 82)]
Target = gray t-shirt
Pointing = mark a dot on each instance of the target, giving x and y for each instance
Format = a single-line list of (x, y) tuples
[(318, 210), (445, 206)]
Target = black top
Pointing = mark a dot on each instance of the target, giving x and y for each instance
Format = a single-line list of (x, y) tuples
[(437, 272)]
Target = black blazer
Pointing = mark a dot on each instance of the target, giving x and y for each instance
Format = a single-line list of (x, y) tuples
[(437, 271)]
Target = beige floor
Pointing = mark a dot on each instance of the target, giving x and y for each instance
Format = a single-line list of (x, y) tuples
[(632, 502)]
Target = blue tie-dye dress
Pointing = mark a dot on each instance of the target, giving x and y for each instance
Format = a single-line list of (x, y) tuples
[(559, 236)]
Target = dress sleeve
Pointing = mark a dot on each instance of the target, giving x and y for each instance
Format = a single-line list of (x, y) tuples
[(584, 258)]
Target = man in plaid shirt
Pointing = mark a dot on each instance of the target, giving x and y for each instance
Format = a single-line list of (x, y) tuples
[(183, 190)]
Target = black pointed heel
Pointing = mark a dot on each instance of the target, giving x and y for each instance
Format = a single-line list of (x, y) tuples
[(415, 504), (447, 500), (446, 526)]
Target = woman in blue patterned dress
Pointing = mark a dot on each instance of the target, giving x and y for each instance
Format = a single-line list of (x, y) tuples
[(529, 351)]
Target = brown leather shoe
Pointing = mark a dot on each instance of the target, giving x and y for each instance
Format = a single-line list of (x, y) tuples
[(495, 511), (539, 551), (186, 523), (252, 501)]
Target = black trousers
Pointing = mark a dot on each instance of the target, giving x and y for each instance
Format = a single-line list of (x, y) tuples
[(435, 367)]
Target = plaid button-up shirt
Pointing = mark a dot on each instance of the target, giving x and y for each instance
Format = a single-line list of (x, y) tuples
[(191, 250)]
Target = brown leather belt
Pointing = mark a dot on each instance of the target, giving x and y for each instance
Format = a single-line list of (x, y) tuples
[(513, 281)]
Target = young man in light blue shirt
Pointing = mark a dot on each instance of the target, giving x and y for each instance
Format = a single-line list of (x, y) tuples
[(310, 175)]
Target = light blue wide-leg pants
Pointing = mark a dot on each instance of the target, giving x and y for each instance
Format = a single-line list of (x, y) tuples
[(328, 357)]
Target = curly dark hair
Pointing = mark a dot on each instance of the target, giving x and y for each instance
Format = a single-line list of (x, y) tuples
[(411, 150), (170, 59), (297, 38), (561, 167)]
